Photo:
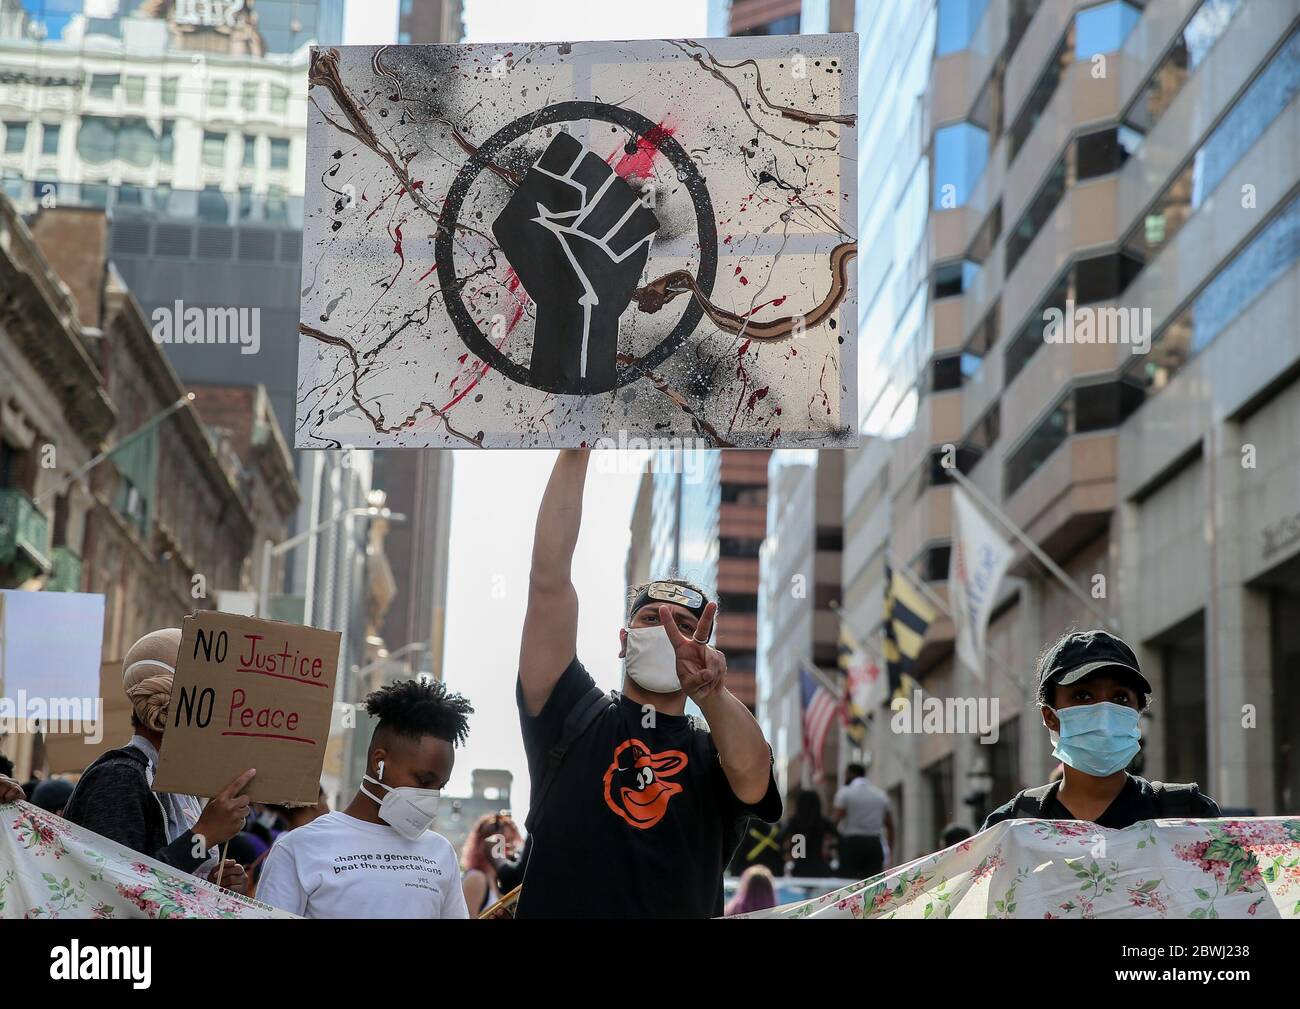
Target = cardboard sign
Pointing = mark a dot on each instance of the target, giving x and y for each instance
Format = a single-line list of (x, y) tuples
[(249, 693), (643, 244)]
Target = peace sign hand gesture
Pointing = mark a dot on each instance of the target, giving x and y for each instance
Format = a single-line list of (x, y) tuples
[(701, 668)]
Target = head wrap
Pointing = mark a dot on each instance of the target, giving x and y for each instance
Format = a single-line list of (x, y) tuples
[(669, 592), (147, 673)]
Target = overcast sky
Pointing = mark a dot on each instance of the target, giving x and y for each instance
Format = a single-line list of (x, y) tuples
[(495, 497), (494, 507)]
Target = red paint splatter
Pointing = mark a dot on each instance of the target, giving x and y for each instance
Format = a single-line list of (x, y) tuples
[(481, 368), (640, 163)]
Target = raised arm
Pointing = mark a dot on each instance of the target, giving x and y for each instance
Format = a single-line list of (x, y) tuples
[(744, 753), (550, 638)]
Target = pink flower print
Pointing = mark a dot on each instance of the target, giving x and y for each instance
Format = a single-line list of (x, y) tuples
[(135, 894), (988, 866)]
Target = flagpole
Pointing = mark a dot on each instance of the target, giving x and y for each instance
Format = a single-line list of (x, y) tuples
[(143, 429), (819, 676), (1039, 554)]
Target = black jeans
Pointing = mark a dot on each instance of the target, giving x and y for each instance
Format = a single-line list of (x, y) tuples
[(861, 856)]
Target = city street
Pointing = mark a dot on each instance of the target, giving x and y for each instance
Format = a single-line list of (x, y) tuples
[(730, 459)]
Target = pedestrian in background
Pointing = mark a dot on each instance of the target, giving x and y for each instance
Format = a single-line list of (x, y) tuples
[(52, 795), (493, 841), (756, 892), (862, 813), (809, 838), (952, 834)]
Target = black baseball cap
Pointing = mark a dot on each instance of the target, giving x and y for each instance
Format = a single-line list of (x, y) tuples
[(1080, 654)]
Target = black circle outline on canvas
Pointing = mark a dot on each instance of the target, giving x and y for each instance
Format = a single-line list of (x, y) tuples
[(444, 248)]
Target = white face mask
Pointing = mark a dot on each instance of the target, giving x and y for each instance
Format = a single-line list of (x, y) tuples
[(409, 811), (651, 660)]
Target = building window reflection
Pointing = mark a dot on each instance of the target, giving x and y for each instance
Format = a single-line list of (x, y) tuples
[(960, 153), (213, 206), (1103, 29), (1191, 46), (1274, 250), (958, 20), (1250, 115)]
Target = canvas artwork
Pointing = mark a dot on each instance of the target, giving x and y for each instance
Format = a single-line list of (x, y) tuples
[(581, 244)]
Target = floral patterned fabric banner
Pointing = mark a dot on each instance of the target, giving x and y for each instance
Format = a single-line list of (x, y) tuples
[(50, 868), (1070, 869)]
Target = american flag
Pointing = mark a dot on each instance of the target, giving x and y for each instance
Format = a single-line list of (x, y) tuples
[(820, 708)]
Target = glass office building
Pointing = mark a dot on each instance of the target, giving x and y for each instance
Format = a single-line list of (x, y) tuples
[(1130, 164)]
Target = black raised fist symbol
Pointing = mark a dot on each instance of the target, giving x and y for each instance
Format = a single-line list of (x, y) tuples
[(578, 236)]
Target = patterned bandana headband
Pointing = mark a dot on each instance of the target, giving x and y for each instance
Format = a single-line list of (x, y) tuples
[(669, 592)]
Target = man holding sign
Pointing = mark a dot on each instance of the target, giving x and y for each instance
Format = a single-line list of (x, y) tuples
[(250, 691), (115, 796), (642, 807)]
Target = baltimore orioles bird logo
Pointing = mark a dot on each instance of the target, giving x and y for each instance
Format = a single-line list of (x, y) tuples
[(635, 785)]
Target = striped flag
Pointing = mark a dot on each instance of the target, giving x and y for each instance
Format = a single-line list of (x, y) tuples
[(907, 617), (819, 710), (864, 685)]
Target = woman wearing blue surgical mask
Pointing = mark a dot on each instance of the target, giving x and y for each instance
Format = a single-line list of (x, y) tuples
[(1092, 695)]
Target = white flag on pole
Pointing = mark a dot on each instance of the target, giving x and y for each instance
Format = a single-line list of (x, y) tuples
[(979, 559)]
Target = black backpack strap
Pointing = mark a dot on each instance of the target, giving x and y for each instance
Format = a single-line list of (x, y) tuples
[(1176, 801), (1029, 803), (576, 722)]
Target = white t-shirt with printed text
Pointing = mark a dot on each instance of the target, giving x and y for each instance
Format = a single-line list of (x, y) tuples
[(340, 867)]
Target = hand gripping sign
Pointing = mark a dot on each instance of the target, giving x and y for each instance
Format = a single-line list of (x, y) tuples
[(249, 693)]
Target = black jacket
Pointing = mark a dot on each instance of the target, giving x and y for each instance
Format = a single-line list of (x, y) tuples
[(113, 798), (1138, 800)]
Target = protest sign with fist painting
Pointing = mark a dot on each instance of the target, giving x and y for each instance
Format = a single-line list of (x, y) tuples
[(567, 244)]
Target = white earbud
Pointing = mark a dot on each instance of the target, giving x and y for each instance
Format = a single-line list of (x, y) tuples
[(381, 770)]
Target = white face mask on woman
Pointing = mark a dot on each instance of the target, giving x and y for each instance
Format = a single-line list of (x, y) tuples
[(651, 661), (409, 811)]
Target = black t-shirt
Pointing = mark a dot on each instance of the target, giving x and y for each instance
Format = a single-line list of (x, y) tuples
[(1136, 801), (760, 844), (640, 820)]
